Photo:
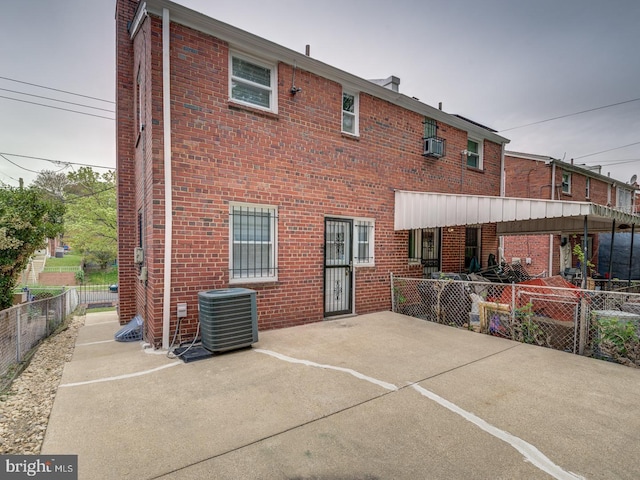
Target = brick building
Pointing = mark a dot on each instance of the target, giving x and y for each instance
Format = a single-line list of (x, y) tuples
[(540, 177), (278, 174)]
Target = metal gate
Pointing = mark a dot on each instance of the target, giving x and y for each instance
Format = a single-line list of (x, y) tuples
[(338, 266)]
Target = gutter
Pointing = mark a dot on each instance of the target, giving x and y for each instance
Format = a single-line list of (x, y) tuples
[(168, 186)]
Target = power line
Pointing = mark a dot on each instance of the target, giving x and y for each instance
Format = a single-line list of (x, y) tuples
[(605, 151), (568, 115), (57, 162), (56, 100), (23, 168), (57, 90), (57, 108), (19, 166)]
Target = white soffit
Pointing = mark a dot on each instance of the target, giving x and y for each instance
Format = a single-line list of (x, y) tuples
[(513, 216)]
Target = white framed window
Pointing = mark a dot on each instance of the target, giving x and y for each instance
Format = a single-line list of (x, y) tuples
[(566, 182), (350, 107), (587, 190), (363, 242), (253, 252), (253, 82), (474, 153), (624, 200)]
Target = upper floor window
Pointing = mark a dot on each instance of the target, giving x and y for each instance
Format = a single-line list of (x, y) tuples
[(587, 192), (350, 113), (566, 182), (253, 83), (624, 202), (253, 243), (474, 153)]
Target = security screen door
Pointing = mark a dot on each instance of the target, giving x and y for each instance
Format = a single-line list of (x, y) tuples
[(338, 266)]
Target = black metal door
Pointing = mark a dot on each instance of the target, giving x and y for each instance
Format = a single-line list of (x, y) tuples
[(338, 266)]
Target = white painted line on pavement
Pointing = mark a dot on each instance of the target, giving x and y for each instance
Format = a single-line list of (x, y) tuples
[(530, 453), (121, 377), (388, 386), (100, 323), (93, 343)]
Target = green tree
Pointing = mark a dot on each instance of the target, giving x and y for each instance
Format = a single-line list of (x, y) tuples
[(91, 221), (27, 218)]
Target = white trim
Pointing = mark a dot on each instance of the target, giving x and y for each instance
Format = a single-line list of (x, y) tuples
[(356, 112), (141, 14), (370, 241), (168, 184), (273, 88), (479, 155)]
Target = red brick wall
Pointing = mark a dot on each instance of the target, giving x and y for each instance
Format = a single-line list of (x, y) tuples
[(125, 136), (296, 160), (532, 179)]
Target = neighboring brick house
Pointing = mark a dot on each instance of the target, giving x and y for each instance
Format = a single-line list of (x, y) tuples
[(282, 172), (540, 177)]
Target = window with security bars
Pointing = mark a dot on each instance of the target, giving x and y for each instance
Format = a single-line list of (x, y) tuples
[(363, 242), (253, 243), (253, 83), (424, 248), (430, 128)]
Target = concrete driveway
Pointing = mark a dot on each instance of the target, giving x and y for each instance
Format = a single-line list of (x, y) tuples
[(379, 396)]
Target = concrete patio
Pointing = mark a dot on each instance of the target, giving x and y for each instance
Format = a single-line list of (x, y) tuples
[(378, 396)]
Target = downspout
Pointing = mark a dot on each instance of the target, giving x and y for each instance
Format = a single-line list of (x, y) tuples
[(553, 197), (168, 186), (503, 181)]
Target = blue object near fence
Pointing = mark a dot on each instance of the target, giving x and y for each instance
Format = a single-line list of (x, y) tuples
[(131, 332)]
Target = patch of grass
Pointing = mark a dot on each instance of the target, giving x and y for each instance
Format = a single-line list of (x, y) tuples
[(101, 309), (102, 277), (69, 260)]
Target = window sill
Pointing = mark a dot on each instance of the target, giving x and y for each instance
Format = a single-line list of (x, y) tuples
[(253, 281), (350, 136), (475, 169), (246, 108)]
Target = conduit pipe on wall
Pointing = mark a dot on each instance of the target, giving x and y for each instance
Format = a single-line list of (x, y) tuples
[(168, 186)]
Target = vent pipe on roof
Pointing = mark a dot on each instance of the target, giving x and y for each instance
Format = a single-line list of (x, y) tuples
[(307, 50), (439, 105)]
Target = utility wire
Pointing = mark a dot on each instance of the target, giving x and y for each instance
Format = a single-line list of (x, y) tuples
[(57, 90), (605, 151), (57, 162), (57, 108), (19, 166), (32, 171), (568, 115), (56, 100)]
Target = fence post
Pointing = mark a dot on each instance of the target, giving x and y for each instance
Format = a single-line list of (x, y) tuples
[(583, 324), (513, 302), (393, 297), (18, 339)]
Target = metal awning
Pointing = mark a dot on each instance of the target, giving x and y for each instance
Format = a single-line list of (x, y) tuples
[(513, 216)]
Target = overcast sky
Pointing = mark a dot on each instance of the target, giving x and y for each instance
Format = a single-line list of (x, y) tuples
[(502, 63)]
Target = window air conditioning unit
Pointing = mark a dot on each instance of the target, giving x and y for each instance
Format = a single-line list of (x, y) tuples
[(433, 147), (228, 318)]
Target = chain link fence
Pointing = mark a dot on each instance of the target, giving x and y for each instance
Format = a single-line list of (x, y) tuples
[(23, 326), (595, 323)]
